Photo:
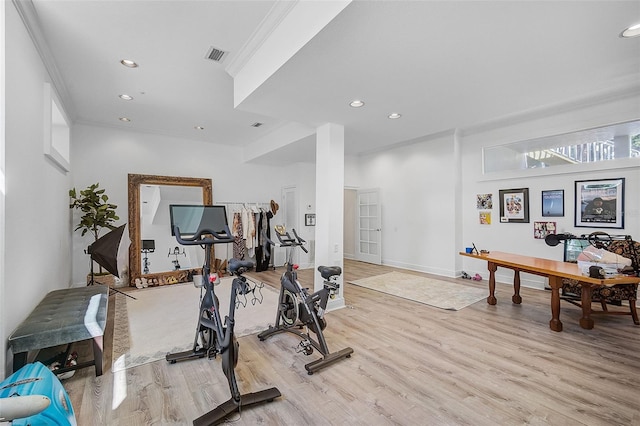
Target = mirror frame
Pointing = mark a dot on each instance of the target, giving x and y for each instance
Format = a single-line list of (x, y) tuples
[(134, 182)]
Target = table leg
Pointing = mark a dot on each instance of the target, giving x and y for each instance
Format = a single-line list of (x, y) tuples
[(98, 345), (555, 324), (516, 288), (585, 300), (492, 283)]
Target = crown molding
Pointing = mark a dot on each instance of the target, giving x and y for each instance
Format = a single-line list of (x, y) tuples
[(276, 15), (29, 16)]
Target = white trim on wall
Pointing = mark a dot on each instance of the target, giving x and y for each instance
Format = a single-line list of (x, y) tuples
[(56, 135), (3, 310)]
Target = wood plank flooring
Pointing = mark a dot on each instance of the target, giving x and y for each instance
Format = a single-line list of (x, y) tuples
[(412, 365)]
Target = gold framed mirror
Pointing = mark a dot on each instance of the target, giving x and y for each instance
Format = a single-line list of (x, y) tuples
[(135, 181)]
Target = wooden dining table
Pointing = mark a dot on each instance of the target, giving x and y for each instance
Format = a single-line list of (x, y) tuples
[(555, 271)]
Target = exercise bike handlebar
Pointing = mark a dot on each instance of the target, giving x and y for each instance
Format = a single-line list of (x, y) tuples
[(199, 238), (287, 241)]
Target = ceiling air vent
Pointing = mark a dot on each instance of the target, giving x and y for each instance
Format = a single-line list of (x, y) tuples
[(257, 124), (216, 54)]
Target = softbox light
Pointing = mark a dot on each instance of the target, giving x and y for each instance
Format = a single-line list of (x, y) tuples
[(111, 251)]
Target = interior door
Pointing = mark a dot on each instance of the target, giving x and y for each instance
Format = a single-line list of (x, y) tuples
[(369, 227)]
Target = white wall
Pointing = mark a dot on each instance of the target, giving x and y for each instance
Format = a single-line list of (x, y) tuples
[(305, 175), (518, 237), (417, 185), (3, 331), (37, 217), (428, 192), (108, 155), (349, 225)]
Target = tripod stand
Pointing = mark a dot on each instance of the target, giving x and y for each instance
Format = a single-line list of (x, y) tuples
[(145, 259)]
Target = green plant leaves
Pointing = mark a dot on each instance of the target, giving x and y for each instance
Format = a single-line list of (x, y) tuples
[(96, 211)]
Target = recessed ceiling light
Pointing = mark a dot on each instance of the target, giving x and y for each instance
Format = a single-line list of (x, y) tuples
[(394, 115), (129, 63), (125, 97), (198, 127), (632, 31), (125, 119), (356, 103)]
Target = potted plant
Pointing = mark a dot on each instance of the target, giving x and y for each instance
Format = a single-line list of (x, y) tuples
[(97, 213)]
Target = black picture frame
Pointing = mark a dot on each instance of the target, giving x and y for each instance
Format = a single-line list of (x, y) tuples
[(514, 205), (599, 203), (553, 203), (310, 219)]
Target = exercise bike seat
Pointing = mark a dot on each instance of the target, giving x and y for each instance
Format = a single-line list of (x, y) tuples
[(236, 265), (329, 271)]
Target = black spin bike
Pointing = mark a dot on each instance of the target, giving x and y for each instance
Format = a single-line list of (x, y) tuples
[(298, 309), (208, 226)]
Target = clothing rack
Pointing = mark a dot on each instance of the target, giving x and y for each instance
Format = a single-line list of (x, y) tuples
[(233, 207), (238, 202)]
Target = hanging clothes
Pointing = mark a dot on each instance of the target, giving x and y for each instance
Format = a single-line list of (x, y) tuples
[(263, 248), (238, 241), (248, 230), (251, 229)]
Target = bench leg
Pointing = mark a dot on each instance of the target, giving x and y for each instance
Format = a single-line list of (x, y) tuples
[(19, 361), (97, 354)]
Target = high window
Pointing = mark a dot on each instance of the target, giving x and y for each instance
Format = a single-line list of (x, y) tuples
[(608, 143)]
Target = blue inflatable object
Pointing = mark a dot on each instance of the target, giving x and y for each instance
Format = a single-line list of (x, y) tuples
[(37, 379)]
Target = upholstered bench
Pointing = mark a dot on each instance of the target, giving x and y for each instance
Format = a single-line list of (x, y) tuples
[(64, 317)]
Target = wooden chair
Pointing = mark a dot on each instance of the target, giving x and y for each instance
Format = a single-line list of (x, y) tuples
[(610, 295)]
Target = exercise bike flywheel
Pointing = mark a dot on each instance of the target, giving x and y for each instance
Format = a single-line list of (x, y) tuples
[(289, 308)]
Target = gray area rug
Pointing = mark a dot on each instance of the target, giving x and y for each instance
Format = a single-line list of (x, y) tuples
[(432, 292), (164, 319)]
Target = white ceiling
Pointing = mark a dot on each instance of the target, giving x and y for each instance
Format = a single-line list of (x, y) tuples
[(442, 64)]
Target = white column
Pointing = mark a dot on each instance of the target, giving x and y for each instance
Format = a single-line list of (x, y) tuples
[(622, 146), (330, 204)]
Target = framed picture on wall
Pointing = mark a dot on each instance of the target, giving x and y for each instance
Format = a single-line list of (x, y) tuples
[(599, 203), (553, 203), (484, 218), (542, 229), (484, 201), (514, 205), (310, 219)]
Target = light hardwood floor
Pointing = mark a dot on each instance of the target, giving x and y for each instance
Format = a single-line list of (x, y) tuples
[(412, 365)]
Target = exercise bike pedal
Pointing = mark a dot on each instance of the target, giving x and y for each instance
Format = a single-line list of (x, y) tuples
[(305, 347)]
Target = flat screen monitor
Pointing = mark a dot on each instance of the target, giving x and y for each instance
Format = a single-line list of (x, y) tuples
[(572, 248), (191, 219), (148, 244)]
